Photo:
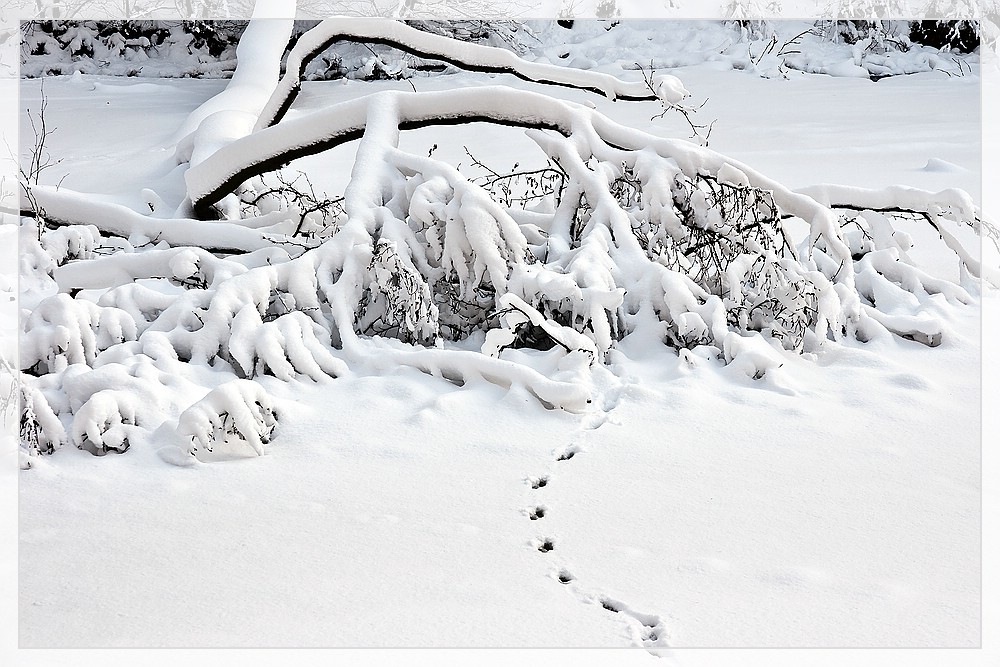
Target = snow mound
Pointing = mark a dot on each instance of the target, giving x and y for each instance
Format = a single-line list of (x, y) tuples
[(938, 165)]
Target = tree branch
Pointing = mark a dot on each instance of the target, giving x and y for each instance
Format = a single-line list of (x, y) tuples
[(472, 57), (64, 207)]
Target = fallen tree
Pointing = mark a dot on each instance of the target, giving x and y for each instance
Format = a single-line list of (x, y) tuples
[(617, 233)]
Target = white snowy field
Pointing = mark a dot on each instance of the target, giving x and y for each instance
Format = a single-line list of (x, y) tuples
[(835, 503)]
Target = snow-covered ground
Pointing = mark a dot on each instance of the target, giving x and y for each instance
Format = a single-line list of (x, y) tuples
[(836, 503)]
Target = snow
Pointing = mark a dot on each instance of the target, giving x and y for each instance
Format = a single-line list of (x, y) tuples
[(834, 501)]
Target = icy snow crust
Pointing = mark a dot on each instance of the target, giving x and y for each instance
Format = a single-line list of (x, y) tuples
[(827, 498)]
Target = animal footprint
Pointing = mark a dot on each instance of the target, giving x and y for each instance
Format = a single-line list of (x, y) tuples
[(565, 577), (648, 630), (536, 513), (539, 482), (653, 633), (568, 453), (546, 545)]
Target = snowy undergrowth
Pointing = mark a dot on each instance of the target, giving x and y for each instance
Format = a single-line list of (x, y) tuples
[(764, 48), (806, 536), (129, 48)]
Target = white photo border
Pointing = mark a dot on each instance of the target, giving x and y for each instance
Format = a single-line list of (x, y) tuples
[(13, 11)]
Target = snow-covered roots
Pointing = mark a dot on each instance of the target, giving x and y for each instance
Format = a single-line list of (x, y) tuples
[(616, 233)]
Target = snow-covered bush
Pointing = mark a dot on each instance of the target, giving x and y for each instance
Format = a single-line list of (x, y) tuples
[(887, 36), (40, 429), (878, 45), (102, 423), (68, 243), (515, 35), (61, 331), (233, 417), (606, 232), (877, 36)]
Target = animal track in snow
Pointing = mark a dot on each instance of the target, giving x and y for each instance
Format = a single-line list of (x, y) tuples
[(648, 630), (538, 482), (567, 453), (645, 630)]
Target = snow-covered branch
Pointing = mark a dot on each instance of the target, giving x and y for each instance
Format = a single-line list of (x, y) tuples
[(233, 112), (939, 209), (321, 130), (65, 207), (468, 56)]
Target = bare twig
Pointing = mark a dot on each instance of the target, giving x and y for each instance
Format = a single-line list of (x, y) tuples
[(685, 111), (535, 183), (303, 199), (38, 159)]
